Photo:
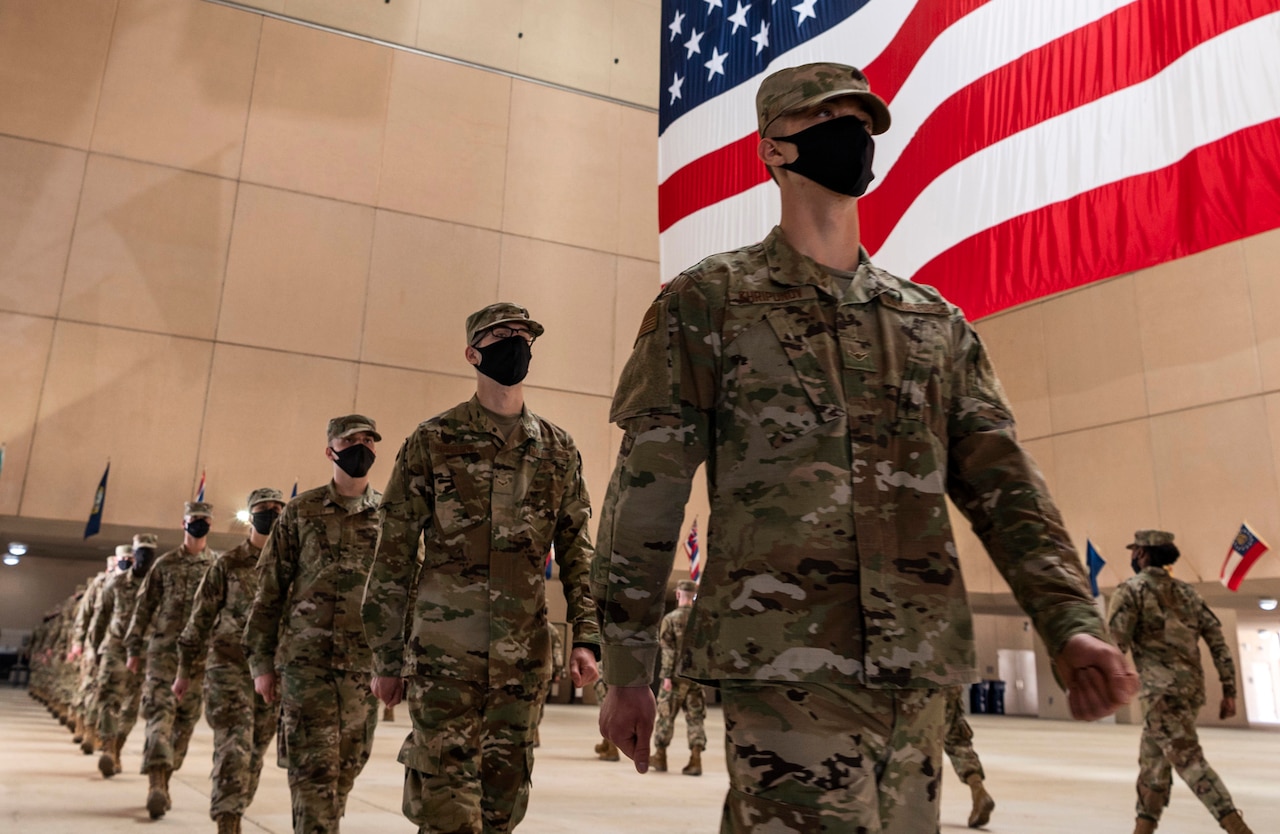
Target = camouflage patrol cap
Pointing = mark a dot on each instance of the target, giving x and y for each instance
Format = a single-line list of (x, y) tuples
[(796, 87), (124, 551), (504, 312), (687, 585), (144, 540), (1150, 538), (264, 494), (353, 424), (197, 509)]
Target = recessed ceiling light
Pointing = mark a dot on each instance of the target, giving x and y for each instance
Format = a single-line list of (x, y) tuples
[(1267, 604), (11, 559), (242, 516), (17, 548)]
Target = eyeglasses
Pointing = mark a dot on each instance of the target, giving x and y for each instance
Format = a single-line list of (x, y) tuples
[(508, 332)]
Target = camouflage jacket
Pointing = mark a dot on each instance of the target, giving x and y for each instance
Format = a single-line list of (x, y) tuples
[(111, 621), (84, 612), (311, 577), (1162, 620), (221, 607), (670, 633), (834, 423), (488, 510), (163, 606)]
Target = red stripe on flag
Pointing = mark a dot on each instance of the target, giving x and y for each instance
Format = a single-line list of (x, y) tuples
[(709, 179), (929, 19), (1218, 193), (1124, 48)]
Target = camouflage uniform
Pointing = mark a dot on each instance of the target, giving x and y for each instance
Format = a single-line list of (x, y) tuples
[(683, 692), (478, 653), (304, 624), (835, 413), (161, 612), (85, 702), (1161, 620), (119, 690), (958, 742), (243, 723)]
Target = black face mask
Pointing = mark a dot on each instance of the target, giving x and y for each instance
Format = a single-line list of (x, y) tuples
[(198, 528), (836, 154), (1133, 563), (355, 460), (506, 361), (263, 520), (124, 564), (142, 559)]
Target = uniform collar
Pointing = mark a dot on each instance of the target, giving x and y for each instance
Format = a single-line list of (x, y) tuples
[(366, 499), (480, 418), (790, 267)]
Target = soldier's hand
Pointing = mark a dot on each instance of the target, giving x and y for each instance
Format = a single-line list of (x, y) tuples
[(1227, 709), (1098, 678), (387, 689), (626, 719), (133, 664), (74, 654), (666, 684), (582, 667), (180, 686), (265, 685)]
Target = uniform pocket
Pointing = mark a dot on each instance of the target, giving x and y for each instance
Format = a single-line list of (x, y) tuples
[(459, 500), (422, 752)]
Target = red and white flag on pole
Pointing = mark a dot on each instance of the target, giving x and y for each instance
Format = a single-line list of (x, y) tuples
[(1244, 551)]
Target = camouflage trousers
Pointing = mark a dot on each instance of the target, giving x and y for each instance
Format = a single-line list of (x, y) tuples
[(169, 721), (327, 721), (469, 759), (86, 683), (119, 693), (687, 695), (243, 727), (809, 758), (1170, 742), (958, 742)]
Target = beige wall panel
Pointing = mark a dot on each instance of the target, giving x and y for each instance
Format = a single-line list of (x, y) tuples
[(586, 418), (150, 248), (485, 32), (1268, 566), (637, 30), (266, 5), (446, 146), (1015, 342), (566, 42), (1262, 267), (394, 22), (318, 113), (297, 273), (571, 293), (562, 167), (1214, 468), (1194, 316), (638, 190), (177, 87), (1104, 483), (39, 189), (264, 424), (136, 398), (426, 277), (52, 54), (399, 400), (24, 342), (637, 287), (1094, 356), (36, 586)]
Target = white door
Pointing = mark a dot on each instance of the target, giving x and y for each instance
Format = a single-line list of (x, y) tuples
[(1018, 671)]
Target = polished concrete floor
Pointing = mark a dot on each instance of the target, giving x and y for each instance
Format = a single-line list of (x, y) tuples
[(1047, 777)]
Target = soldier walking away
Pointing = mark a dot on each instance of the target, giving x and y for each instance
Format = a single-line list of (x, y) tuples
[(164, 604), (490, 488), (958, 744), (119, 688), (836, 407), (1162, 621), (678, 692), (304, 638), (243, 723), (84, 651)]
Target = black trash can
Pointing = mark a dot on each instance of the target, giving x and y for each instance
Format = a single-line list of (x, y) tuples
[(995, 697), (977, 698)]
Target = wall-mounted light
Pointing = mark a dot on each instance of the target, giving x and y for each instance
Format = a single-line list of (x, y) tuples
[(1267, 604), (242, 516), (17, 548)]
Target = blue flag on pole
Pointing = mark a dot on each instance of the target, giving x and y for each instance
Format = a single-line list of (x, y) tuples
[(99, 501), (294, 494), (1096, 564)]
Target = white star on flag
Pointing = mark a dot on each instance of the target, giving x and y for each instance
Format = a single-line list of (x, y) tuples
[(804, 10), (716, 65), (761, 38), (674, 89), (738, 18), (711, 4), (677, 25), (694, 44)]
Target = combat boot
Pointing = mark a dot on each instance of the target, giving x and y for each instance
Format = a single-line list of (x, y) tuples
[(168, 800), (983, 804), (1144, 826), (658, 760), (1233, 823), (157, 799), (90, 742), (389, 714), (694, 767), (609, 753), (77, 729), (228, 823)]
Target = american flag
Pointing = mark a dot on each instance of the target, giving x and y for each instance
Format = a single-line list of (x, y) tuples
[(1035, 146), (200, 489), (546, 564), (691, 547)]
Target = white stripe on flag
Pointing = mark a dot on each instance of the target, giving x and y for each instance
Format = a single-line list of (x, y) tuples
[(1223, 85), (734, 222)]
